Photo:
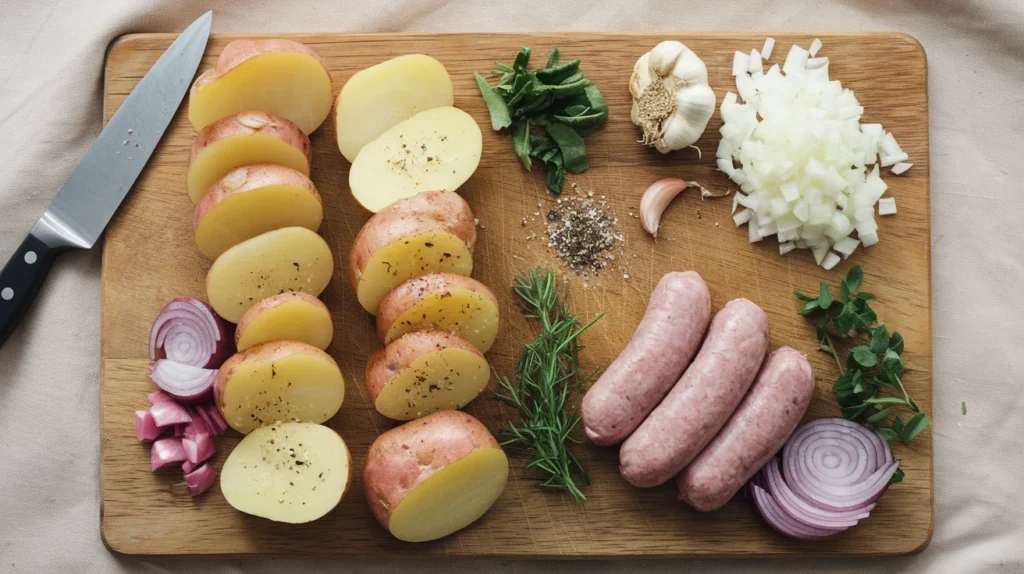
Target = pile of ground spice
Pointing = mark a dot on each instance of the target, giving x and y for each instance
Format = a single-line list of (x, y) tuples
[(582, 232)]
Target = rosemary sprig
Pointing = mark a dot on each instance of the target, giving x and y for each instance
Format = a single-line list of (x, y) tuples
[(546, 377)]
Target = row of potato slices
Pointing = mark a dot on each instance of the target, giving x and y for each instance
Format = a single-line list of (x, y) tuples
[(256, 216), (258, 219)]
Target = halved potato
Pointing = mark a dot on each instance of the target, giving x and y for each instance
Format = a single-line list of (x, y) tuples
[(242, 139), (287, 472), (427, 233), (429, 478), (280, 381), (279, 261), (437, 149), (251, 200), (291, 316), (442, 301), (425, 372), (282, 77), (380, 96)]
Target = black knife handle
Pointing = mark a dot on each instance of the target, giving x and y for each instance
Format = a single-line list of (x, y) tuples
[(20, 281)]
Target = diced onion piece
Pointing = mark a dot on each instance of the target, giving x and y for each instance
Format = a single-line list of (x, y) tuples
[(796, 61), (742, 217), (165, 452), (888, 146), (145, 427), (790, 191), (768, 229), (868, 239), (887, 206), (200, 479), (755, 66), (740, 61), (169, 413), (735, 203), (830, 261), (787, 235), (815, 46), (748, 201), (891, 160), (753, 231), (846, 246), (198, 449), (819, 251), (901, 168), (159, 397), (769, 44), (785, 247), (187, 467), (725, 165), (816, 63)]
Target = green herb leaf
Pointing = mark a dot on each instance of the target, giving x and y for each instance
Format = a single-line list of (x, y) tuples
[(879, 340), (824, 296), (553, 58), (555, 75), (574, 153), (865, 296), (845, 381), (897, 477), (896, 343), (914, 426), (863, 356), (897, 425), (803, 297), (892, 364), (854, 277), (521, 143), (844, 289), (889, 434), (879, 416), (496, 106), (963, 407), (852, 413), (885, 401), (845, 321), (809, 308), (556, 173), (522, 61)]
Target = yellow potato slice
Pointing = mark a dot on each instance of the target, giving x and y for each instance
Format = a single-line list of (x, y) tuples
[(252, 200), (293, 316), (427, 479), (281, 77), (425, 372), (380, 96), (280, 381), (431, 252), (243, 139), (434, 150), (452, 498), (443, 301), (288, 472), (279, 261)]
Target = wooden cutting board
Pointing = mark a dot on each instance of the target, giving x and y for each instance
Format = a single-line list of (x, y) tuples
[(149, 257)]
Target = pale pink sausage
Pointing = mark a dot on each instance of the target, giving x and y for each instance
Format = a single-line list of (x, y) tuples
[(702, 401), (757, 430), (657, 354)]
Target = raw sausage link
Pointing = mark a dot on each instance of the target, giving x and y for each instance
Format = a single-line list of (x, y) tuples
[(702, 401), (764, 420), (661, 347)]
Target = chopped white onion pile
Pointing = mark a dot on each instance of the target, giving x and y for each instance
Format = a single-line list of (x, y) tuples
[(804, 159)]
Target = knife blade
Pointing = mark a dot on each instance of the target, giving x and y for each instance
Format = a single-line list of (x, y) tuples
[(88, 199)]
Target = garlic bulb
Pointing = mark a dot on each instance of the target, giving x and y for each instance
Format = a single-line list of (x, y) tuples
[(672, 101)]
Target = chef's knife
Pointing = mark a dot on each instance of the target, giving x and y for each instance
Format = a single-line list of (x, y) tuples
[(88, 199)]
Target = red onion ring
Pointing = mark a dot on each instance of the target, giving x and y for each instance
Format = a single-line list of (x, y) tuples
[(804, 512), (784, 523), (187, 331), (186, 383)]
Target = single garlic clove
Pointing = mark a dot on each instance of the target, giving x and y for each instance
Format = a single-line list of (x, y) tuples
[(656, 199), (694, 107)]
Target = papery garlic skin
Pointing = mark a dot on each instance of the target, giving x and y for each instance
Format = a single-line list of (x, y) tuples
[(672, 101)]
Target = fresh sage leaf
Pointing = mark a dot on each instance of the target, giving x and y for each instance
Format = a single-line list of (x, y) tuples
[(553, 58), (521, 143), (522, 61), (557, 74), (574, 153), (496, 106)]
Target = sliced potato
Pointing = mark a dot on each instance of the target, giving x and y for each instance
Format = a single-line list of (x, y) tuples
[(282, 77), (251, 200), (291, 316), (280, 381), (426, 233), (287, 472), (242, 139), (427, 479), (437, 149), (442, 301), (380, 96), (425, 372), (288, 259)]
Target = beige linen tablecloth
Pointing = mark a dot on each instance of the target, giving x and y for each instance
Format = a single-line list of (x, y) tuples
[(51, 62)]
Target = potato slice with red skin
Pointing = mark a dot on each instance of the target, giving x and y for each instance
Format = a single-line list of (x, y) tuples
[(442, 301), (429, 232), (241, 139), (282, 77), (280, 381), (433, 476), (292, 316), (288, 472), (423, 372), (251, 200)]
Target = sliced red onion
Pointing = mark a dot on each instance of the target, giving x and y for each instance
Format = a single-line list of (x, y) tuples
[(169, 413), (804, 512), (216, 420), (185, 383), (165, 452), (159, 397), (200, 479), (145, 426), (187, 331), (777, 518), (187, 467), (836, 464), (198, 426), (199, 449), (205, 417)]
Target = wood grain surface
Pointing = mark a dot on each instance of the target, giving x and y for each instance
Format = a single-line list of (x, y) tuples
[(150, 257)]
